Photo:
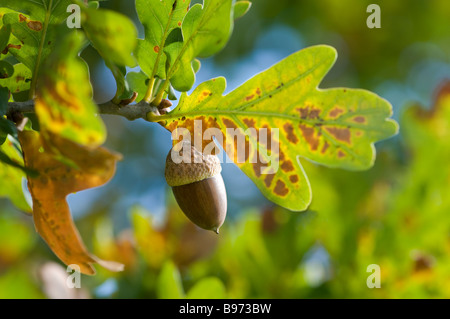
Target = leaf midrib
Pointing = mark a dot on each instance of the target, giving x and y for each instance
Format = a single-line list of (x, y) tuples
[(290, 117), (295, 118), (186, 43), (162, 42), (41, 48)]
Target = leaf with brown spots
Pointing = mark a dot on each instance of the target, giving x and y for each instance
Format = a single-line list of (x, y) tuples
[(159, 18), (334, 127), (175, 34), (205, 30), (19, 80), (64, 103), (5, 33), (33, 28), (55, 181)]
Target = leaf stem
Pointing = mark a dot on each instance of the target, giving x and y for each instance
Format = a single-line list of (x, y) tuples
[(149, 94), (161, 92)]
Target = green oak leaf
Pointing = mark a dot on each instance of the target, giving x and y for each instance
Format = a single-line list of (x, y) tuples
[(34, 27), (123, 90), (94, 4), (207, 288), (7, 40), (334, 127), (4, 97), (19, 80), (37, 8), (196, 65), (5, 33), (6, 126), (139, 82), (112, 34), (11, 170), (169, 285), (6, 69), (64, 103), (115, 40), (427, 131), (159, 19), (13, 162), (241, 8), (6, 37), (206, 29)]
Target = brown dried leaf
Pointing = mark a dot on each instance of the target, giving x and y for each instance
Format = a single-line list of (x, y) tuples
[(56, 180)]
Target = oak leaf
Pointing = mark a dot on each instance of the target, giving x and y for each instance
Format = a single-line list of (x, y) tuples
[(56, 180)]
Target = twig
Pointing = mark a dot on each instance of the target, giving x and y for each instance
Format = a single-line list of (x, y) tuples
[(130, 112)]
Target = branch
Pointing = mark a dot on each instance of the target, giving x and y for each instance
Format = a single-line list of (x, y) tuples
[(130, 112)]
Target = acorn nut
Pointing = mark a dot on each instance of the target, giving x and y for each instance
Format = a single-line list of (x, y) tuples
[(197, 185)]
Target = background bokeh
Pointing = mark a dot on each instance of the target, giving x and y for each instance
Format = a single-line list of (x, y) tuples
[(396, 215)]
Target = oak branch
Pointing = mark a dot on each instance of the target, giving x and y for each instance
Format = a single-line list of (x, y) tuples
[(131, 112)]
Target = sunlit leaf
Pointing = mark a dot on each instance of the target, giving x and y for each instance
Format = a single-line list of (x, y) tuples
[(207, 288), (196, 65), (12, 176), (94, 4), (426, 132), (152, 243), (205, 29), (112, 34), (169, 284), (120, 248), (334, 127), (56, 180), (138, 81), (17, 239), (423, 126), (13, 161), (241, 8), (19, 80), (18, 283), (123, 90), (159, 19), (34, 27), (64, 102)]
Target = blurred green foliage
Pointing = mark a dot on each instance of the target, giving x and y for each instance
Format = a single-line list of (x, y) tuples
[(394, 215)]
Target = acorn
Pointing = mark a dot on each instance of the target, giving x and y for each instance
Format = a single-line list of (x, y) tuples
[(197, 185)]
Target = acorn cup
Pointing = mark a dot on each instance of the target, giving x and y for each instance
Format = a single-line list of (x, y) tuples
[(197, 186)]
